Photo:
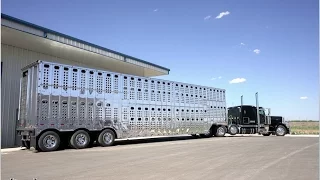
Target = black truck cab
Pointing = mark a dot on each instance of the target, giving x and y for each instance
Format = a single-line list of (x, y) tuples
[(244, 120)]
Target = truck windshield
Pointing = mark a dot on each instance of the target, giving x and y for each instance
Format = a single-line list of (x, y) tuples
[(261, 112)]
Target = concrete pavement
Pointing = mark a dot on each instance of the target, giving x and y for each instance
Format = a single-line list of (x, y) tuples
[(243, 158)]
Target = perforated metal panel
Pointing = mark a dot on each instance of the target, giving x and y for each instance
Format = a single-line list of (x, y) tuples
[(44, 111), (116, 85), (82, 113), (134, 106)]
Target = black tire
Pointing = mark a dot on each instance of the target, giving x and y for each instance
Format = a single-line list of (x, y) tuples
[(281, 130), (220, 131), (268, 134), (80, 139), (102, 138), (233, 130), (49, 141), (26, 144)]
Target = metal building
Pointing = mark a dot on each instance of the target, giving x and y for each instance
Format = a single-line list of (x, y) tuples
[(23, 43)]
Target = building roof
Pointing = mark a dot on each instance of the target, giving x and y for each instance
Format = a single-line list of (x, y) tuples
[(27, 27)]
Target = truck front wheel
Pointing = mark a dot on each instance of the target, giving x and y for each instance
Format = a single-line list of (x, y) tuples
[(281, 130), (49, 141)]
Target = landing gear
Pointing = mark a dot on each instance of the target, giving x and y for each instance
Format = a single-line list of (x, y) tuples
[(26, 144)]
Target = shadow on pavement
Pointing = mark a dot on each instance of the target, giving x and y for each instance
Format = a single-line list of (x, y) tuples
[(154, 140)]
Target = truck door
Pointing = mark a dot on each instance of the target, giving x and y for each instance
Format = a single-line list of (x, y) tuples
[(248, 116), (262, 116)]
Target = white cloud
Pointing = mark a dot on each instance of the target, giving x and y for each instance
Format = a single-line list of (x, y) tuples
[(155, 10), (237, 80), (242, 44), (304, 97), (207, 17), (257, 51), (222, 14), (214, 78)]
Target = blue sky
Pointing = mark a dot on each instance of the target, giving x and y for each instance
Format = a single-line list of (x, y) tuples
[(278, 57)]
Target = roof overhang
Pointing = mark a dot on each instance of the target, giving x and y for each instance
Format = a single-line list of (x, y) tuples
[(22, 34)]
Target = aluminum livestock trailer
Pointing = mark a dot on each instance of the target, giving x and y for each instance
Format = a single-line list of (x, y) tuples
[(76, 105)]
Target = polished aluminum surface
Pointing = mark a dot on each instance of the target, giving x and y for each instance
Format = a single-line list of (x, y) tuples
[(107, 138), (81, 139), (280, 130), (72, 97), (49, 141)]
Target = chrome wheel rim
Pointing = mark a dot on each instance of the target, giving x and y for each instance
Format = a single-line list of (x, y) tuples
[(107, 138), (49, 141), (233, 130), (280, 130), (81, 139), (220, 131)]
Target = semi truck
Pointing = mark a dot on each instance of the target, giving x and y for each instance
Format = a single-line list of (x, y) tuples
[(65, 104), (248, 119)]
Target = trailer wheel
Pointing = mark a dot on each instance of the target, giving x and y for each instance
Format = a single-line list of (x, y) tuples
[(80, 139), (233, 129), (106, 138), (49, 141), (220, 131), (281, 130)]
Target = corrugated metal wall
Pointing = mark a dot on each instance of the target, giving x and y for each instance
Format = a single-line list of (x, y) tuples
[(13, 59)]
